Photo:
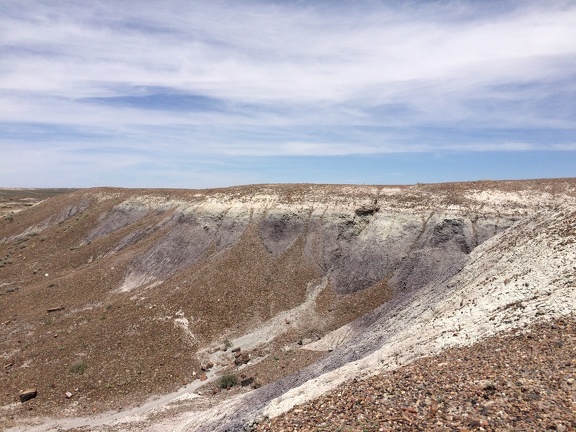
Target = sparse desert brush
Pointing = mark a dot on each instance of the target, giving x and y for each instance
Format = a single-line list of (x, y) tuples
[(78, 367), (227, 381)]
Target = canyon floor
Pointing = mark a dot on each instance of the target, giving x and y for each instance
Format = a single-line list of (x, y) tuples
[(329, 307)]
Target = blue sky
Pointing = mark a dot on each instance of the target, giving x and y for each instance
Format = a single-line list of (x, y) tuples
[(228, 92)]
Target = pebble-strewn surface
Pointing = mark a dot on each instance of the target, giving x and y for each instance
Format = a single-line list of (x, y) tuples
[(122, 309), (523, 381)]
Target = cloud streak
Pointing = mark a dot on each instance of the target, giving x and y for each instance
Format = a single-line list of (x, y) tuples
[(284, 78)]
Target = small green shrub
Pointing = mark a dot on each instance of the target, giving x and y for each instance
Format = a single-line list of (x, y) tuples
[(78, 367), (227, 344), (227, 381)]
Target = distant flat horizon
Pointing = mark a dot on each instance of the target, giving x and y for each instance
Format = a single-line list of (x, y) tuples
[(108, 186)]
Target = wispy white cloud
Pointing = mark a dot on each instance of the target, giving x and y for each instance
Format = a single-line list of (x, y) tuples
[(277, 78)]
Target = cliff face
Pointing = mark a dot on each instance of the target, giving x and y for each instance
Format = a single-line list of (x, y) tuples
[(357, 243), (150, 283)]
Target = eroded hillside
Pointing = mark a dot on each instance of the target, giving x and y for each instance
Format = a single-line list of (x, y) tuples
[(150, 290)]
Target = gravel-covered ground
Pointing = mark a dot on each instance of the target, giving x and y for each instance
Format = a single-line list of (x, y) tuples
[(523, 381), (144, 288)]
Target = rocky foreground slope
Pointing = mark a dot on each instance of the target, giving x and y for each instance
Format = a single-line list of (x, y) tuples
[(523, 380), (109, 296)]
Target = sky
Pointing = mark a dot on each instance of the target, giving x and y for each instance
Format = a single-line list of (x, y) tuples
[(200, 94)]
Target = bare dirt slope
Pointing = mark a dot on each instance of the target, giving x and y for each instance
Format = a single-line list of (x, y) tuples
[(117, 295), (14, 200), (523, 380)]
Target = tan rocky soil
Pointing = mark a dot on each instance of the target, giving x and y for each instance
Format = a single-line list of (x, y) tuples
[(519, 381), (123, 298), (15, 200)]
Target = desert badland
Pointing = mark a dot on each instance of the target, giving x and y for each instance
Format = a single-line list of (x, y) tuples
[(290, 307)]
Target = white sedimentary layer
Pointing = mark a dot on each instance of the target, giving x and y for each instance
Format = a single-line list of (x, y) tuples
[(510, 281)]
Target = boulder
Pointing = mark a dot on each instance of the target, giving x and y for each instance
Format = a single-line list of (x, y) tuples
[(367, 210), (243, 359), (206, 367), (246, 382), (28, 394)]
